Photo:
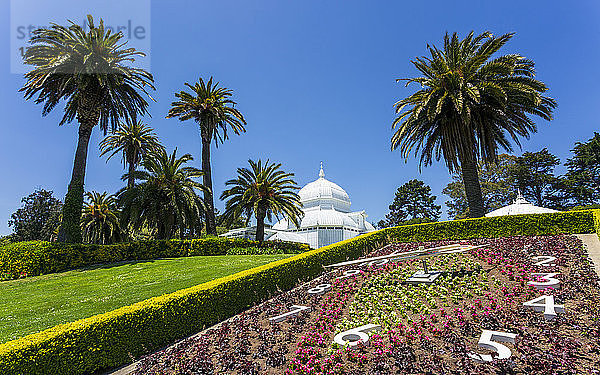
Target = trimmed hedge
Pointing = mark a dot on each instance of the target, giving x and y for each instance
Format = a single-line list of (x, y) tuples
[(38, 257), (109, 340), (254, 251), (596, 216)]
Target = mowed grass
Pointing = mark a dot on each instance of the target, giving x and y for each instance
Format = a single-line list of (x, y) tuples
[(33, 304)]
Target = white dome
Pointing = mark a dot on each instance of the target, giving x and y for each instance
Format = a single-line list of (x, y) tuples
[(324, 194), (327, 216)]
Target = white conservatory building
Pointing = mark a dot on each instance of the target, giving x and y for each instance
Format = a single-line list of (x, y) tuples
[(327, 217), (519, 207)]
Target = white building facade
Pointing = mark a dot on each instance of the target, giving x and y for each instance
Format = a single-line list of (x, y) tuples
[(327, 215), (327, 218)]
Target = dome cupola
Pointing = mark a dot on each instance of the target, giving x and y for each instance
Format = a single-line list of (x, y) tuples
[(324, 194)]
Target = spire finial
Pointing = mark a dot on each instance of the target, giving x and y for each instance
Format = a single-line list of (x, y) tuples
[(520, 199), (321, 173)]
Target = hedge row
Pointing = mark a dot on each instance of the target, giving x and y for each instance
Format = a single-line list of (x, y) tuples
[(112, 339), (596, 215), (38, 257)]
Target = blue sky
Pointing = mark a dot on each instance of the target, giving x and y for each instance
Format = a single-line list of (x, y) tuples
[(315, 81)]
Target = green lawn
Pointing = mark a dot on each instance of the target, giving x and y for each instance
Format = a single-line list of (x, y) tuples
[(36, 303)]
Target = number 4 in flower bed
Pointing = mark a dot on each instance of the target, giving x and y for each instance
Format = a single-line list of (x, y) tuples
[(547, 306), (491, 340), (294, 310)]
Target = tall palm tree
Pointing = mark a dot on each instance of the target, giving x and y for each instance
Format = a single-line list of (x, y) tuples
[(165, 201), (469, 104), (134, 140), (92, 72), (214, 111), (264, 190), (100, 219)]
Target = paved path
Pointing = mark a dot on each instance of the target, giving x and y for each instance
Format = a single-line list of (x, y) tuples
[(592, 243)]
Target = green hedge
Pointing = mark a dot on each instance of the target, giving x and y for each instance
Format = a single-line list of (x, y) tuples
[(109, 340), (38, 257), (596, 214), (253, 250)]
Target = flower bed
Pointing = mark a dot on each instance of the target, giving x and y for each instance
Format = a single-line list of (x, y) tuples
[(424, 329), (114, 338)]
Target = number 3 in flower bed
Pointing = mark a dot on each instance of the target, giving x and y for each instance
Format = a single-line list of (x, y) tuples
[(548, 280)]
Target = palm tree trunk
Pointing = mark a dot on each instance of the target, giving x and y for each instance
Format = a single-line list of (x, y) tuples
[(260, 224), (472, 187), (70, 229), (130, 177), (211, 227)]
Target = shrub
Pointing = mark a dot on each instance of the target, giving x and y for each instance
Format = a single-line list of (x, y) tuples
[(38, 257), (254, 250), (112, 339)]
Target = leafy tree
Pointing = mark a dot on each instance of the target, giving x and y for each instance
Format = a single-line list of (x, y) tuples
[(495, 187), (165, 201), (100, 219), (92, 72), (214, 111), (37, 218), (413, 203), (469, 105), (581, 183), (263, 190), (224, 225), (533, 174), (133, 140)]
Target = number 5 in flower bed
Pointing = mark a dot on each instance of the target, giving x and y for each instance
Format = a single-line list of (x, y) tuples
[(319, 289), (548, 281), (353, 336), (491, 340), (294, 310), (547, 306)]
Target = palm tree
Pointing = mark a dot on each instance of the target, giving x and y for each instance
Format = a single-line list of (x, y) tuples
[(212, 108), (468, 106), (100, 220), (92, 72), (165, 200), (264, 190), (134, 140)]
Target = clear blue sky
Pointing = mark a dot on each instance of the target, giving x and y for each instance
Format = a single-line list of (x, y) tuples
[(315, 81)]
